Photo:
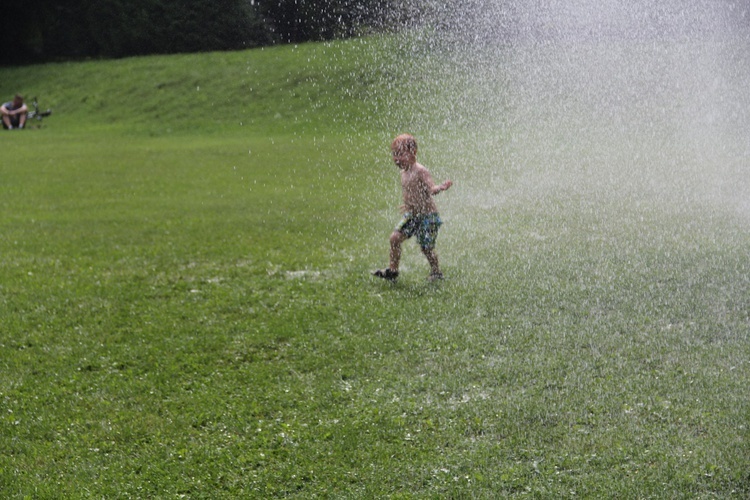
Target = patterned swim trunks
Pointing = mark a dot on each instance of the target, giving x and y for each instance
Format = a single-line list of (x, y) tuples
[(425, 227)]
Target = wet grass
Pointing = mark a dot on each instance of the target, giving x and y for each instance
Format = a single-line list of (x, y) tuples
[(187, 309)]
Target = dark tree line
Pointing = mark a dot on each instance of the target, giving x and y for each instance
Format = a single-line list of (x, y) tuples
[(51, 30)]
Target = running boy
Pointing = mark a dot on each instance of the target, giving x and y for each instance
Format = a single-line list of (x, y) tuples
[(421, 217)]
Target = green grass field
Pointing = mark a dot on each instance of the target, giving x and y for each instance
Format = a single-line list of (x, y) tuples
[(186, 308)]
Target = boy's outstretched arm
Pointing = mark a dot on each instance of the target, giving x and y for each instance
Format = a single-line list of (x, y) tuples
[(441, 187)]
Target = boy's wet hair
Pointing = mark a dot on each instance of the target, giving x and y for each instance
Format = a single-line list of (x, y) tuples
[(405, 142)]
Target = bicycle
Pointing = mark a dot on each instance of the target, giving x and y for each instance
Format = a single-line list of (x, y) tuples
[(35, 115)]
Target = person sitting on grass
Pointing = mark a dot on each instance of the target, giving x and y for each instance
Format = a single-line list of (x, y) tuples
[(14, 113), (420, 212)]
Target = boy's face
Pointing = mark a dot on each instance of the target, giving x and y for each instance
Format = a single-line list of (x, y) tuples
[(404, 158)]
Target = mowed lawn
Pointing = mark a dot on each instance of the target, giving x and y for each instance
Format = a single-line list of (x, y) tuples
[(186, 309)]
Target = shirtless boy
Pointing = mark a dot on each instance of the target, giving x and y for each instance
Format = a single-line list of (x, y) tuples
[(421, 217)]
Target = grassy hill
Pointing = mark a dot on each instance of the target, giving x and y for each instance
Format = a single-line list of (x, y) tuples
[(287, 88), (186, 308)]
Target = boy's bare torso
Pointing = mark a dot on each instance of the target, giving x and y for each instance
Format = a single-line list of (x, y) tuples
[(417, 186)]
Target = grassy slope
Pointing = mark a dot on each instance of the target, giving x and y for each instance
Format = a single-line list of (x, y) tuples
[(186, 309), (272, 89)]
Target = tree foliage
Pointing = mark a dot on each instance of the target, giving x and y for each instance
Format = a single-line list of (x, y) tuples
[(46, 30)]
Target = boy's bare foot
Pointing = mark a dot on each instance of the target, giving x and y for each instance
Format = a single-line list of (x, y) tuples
[(386, 274)]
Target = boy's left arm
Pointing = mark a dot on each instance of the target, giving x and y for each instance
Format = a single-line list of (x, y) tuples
[(441, 187), (432, 188)]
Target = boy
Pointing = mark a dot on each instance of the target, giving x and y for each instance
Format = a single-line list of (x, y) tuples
[(14, 113), (420, 212)]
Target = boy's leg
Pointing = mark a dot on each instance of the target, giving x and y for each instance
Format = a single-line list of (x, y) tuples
[(391, 272), (427, 236), (397, 238), (432, 259)]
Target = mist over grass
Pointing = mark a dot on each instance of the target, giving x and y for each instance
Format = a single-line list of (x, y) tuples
[(187, 308)]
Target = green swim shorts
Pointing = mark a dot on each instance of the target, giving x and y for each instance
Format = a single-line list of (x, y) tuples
[(425, 227)]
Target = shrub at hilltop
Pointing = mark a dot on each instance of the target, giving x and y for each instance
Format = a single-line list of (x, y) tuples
[(45, 30)]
